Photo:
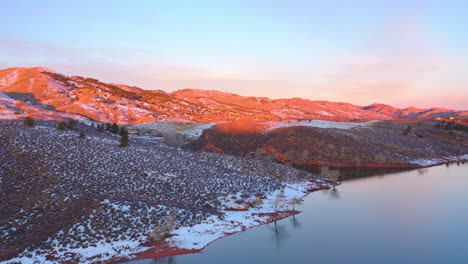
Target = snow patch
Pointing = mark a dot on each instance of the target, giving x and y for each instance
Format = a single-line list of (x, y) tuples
[(8, 79), (200, 235), (436, 161), (317, 123)]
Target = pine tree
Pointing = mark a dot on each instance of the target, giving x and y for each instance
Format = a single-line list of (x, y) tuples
[(124, 138), (114, 128)]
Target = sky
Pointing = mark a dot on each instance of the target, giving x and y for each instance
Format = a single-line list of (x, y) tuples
[(402, 53)]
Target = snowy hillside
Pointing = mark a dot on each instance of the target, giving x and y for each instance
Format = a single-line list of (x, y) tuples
[(123, 104), (87, 199)]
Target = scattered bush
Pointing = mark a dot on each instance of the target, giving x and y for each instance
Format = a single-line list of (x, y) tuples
[(452, 126), (71, 124), (256, 203), (407, 131), (114, 128), (29, 122), (161, 231), (62, 125)]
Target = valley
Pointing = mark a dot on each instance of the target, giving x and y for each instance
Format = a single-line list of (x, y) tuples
[(195, 165)]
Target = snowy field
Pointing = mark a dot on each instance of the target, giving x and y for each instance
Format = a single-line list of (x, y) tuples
[(190, 130), (317, 123)]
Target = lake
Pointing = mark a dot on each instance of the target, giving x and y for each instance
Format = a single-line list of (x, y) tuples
[(418, 216)]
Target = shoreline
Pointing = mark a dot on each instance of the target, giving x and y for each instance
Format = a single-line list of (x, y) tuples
[(414, 164), (193, 239), (190, 239), (164, 249), (258, 217)]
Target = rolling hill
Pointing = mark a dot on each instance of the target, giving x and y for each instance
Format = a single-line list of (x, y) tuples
[(46, 94)]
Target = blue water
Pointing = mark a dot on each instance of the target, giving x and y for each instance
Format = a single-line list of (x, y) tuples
[(416, 216)]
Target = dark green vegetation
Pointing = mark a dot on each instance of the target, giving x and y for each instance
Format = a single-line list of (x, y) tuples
[(452, 126), (124, 137)]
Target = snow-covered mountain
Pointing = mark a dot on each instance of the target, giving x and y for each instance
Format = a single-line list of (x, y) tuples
[(46, 94)]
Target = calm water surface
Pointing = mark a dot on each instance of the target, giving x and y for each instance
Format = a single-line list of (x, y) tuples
[(416, 216)]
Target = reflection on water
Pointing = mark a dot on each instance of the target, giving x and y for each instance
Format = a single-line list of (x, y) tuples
[(163, 260), (295, 223), (279, 233), (333, 193), (417, 216), (347, 173)]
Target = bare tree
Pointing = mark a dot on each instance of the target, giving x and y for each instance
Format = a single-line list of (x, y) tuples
[(278, 202), (256, 203), (163, 229), (296, 201)]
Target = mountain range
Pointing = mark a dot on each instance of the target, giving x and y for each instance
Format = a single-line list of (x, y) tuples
[(45, 94)]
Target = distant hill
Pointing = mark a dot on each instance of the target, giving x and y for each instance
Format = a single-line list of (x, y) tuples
[(415, 113), (46, 94)]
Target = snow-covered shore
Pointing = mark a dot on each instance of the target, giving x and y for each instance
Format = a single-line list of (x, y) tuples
[(438, 161), (200, 235), (188, 239)]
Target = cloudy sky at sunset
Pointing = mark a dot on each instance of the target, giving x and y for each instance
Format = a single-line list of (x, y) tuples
[(396, 52)]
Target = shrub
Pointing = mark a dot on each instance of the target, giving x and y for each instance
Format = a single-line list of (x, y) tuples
[(407, 131), (71, 124), (29, 122), (114, 128), (62, 125), (82, 135), (124, 138), (161, 231)]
